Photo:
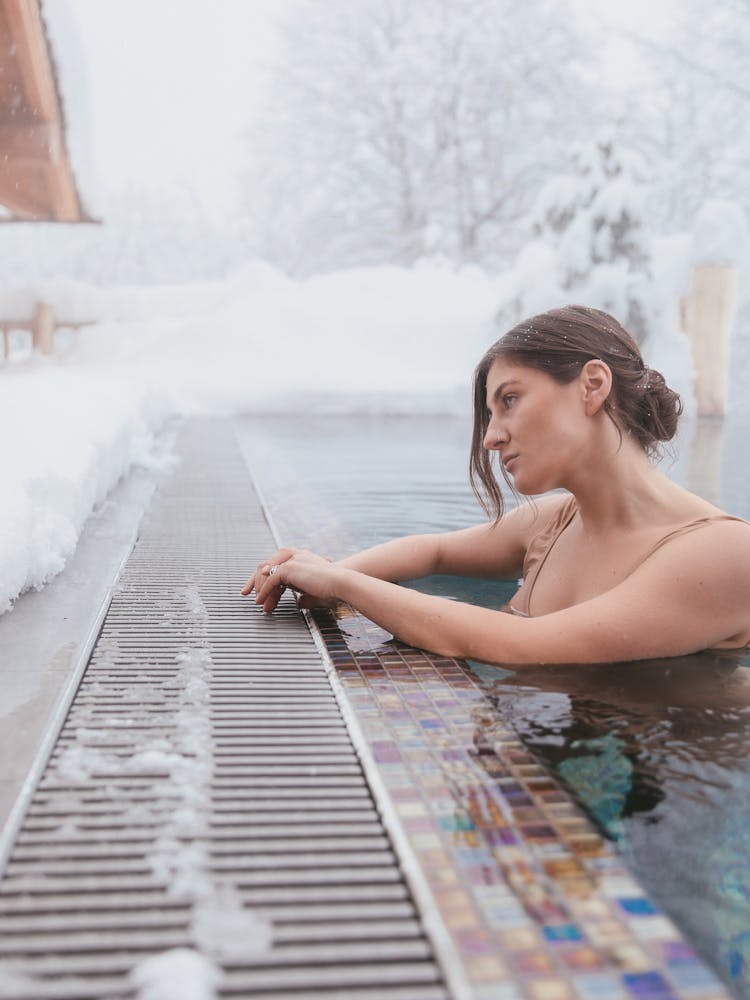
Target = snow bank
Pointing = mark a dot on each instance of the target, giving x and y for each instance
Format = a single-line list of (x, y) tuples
[(378, 338), (67, 439)]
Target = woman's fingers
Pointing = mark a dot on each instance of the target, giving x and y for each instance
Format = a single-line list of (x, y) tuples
[(294, 568), (272, 586), (263, 571), (268, 586), (272, 583)]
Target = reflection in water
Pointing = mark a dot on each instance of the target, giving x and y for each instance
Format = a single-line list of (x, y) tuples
[(706, 452), (658, 753)]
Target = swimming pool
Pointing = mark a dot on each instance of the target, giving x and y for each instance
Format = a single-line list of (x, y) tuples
[(657, 754)]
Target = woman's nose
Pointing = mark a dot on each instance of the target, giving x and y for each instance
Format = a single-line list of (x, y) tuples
[(494, 436)]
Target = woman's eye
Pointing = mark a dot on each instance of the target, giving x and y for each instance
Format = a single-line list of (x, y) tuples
[(509, 400)]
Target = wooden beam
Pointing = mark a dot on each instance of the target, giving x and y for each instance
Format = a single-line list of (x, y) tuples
[(36, 179), (25, 190), (28, 140), (34, 172), (65, 204), (27, 30)]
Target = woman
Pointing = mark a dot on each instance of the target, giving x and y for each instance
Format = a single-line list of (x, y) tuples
[(622, 565)]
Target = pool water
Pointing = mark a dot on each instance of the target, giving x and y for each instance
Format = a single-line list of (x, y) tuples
[(657, 753)]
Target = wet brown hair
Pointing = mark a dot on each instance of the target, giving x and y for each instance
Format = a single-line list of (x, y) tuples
[(559, 343)]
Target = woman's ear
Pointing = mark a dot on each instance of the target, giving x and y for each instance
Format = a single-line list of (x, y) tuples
[(596, 385)]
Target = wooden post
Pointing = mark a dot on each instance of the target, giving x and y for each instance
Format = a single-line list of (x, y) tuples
[(709, 314), (719, 244), (43, 328), (706, 454)]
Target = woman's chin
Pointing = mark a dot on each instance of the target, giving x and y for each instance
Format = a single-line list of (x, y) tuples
[(529, 487), (533, 483), (522, 483)]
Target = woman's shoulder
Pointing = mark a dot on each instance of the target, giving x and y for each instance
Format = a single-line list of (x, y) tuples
[(688, 506), (706, 544), (703, 527), (701, 573), (543, 515)]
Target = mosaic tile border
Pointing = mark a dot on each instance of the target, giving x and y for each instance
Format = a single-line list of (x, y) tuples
[(536, 903)]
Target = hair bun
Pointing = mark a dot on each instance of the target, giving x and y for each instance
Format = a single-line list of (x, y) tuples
[(662, 407)]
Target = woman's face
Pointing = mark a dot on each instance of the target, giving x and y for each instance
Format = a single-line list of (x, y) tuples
[(535, 424)]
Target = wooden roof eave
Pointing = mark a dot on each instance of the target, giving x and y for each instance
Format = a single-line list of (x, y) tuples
[(36, 178)]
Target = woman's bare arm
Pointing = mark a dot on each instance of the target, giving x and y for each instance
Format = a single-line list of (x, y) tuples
[(400, 559), (484, 550), (494, 550), (691, 594)]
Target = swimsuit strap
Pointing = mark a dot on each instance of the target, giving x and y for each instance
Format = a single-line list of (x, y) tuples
[(684, 529), (538, 550)]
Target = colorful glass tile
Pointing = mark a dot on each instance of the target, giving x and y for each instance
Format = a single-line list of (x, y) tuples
[(538, 906)]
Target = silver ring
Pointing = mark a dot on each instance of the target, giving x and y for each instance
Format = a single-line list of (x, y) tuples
[(273, 569)]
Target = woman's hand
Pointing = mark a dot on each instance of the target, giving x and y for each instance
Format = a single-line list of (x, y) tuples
[(312, 575), (261, 575)]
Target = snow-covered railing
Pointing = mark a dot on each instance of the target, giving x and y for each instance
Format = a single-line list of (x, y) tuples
[(41, 325)]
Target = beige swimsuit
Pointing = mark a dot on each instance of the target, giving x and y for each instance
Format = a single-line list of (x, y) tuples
[(542, 544)]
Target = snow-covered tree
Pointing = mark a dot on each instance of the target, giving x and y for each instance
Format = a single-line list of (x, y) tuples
[(692, 114), (594, 218), (400, 129)]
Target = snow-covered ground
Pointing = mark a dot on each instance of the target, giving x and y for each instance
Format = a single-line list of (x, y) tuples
[(364, 340)]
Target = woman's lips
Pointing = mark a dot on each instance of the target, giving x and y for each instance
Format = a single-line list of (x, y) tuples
[(508, 461)]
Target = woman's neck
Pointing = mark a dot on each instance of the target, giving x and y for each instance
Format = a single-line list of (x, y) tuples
[(620, 488)]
